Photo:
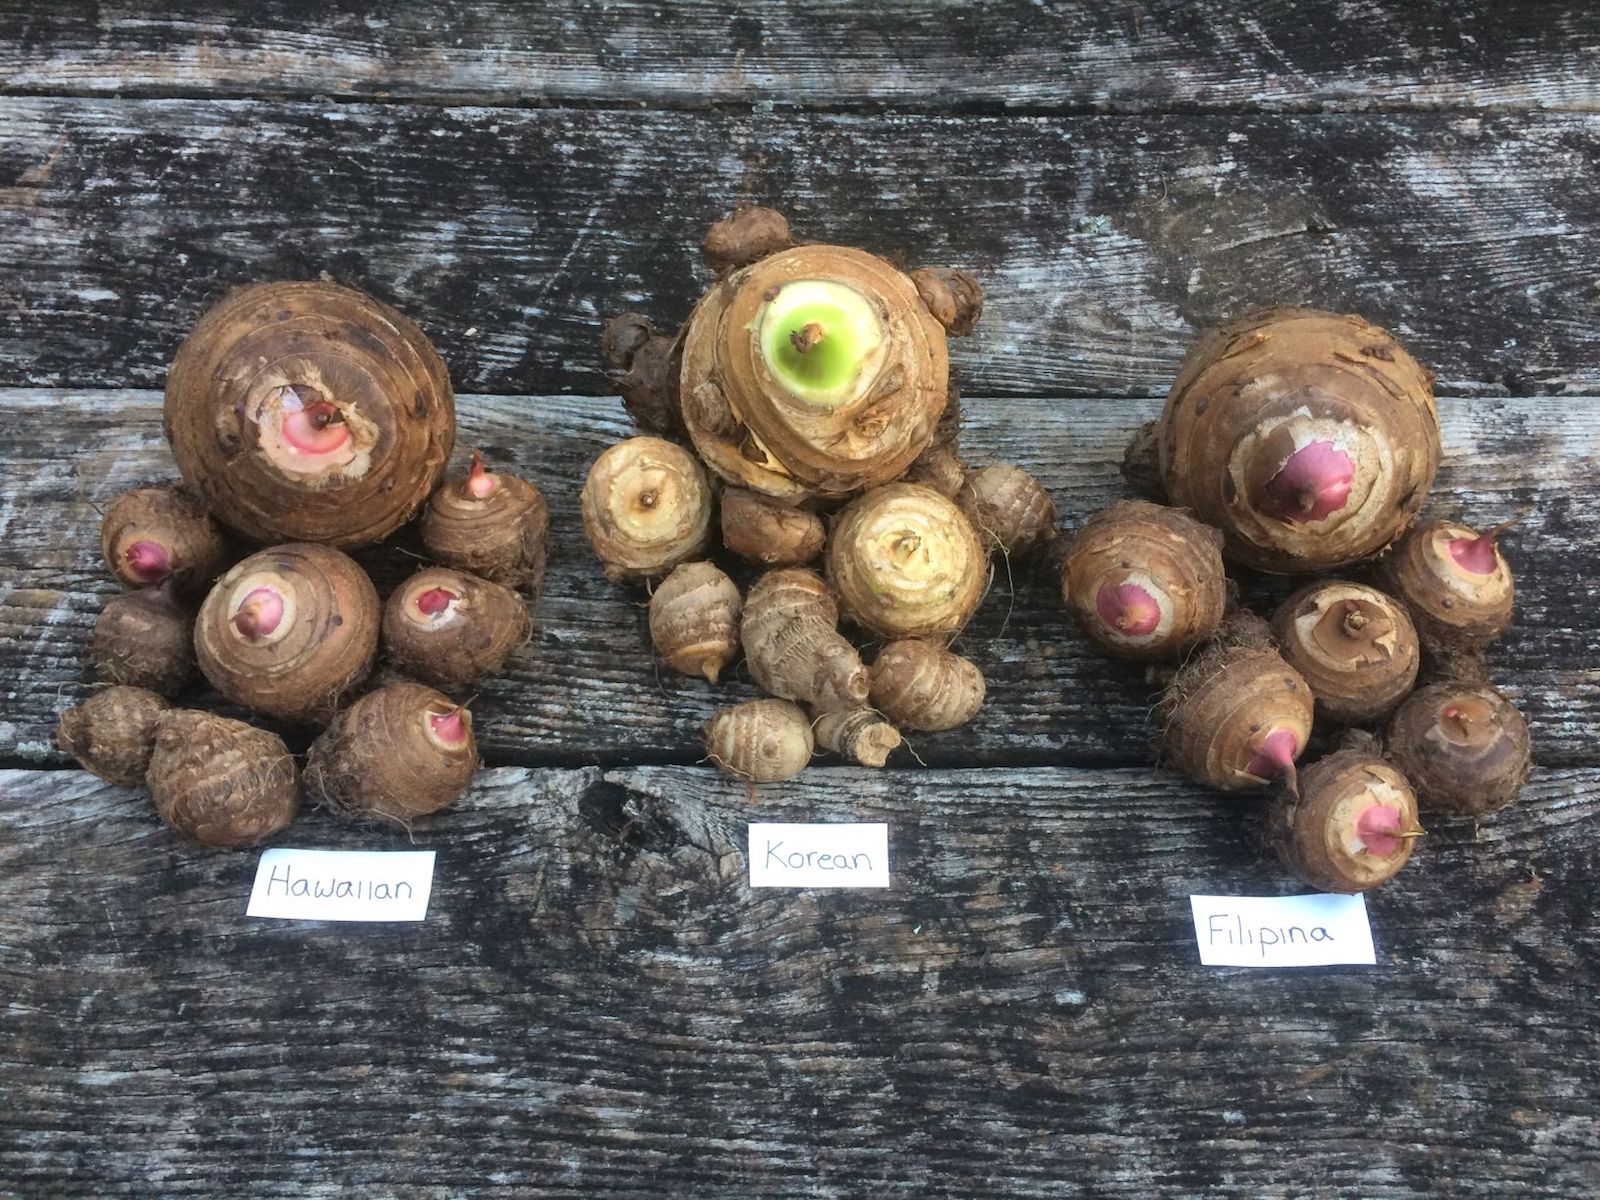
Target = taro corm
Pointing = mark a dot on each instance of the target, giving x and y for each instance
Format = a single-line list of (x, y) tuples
[(694, 620)]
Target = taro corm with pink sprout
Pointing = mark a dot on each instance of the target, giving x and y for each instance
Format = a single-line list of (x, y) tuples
[(449, 728), (1309, 439), (1456, 583), (397, 754), (150, 534), (448, 628), (479, 484), (309, 412), (1463, 744), (1479, 555), (1349, 825), (1143, 581), (491, 524), (289, 631), (1236, 716)]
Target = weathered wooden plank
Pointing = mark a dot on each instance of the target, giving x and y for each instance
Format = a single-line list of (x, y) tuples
[(1272, 54), (1103, 241), (586, 690), (599, 1005)]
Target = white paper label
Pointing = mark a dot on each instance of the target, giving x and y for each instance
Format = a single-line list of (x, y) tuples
[(343, 885), (819, 856), (1282, 931)]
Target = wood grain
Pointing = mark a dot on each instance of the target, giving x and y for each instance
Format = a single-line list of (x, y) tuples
[(587, 690), (598, 1004), (1104, 242), (1274, 54)]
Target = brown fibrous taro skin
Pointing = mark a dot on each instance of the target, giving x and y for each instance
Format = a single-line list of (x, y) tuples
[(150, 534), (1455, 582), (221, 782), (924, 686), (1009, 509), (399, 753), (1349, 824), (113, 733), (490, 524), (861, 735), (306, 411), (1463, 745), (792, 644), (762, 530), (1141, 464), (1353, 644), (145, 639), (1310, 439), (906, 562), (761, 409), (644, 365), (448, 628), (289, 631), (694, 619), (760, 741), (647, 507), (1237, 715), (1145, 581), (953, 297), (940, 466), (748, 234)]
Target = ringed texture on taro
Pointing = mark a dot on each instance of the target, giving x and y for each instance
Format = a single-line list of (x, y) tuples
[(309, 412)]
